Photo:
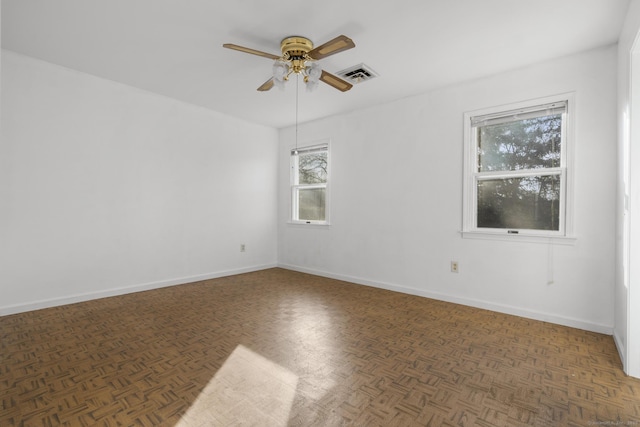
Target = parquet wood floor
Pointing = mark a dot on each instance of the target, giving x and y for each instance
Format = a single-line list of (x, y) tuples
[(278, 347)]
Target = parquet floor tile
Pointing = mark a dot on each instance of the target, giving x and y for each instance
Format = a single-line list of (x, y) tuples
[(281, 348)]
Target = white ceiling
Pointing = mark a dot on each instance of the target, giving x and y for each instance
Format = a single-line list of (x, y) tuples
[(174, 48)]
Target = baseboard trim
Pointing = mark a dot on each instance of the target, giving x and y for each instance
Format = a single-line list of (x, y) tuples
[(72, 299), (486, 305)]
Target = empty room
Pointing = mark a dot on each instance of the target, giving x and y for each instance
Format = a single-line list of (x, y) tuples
[(338, 214)]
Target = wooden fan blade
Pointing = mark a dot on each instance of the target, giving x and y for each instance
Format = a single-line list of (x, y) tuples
[(249, 50), (335, 81), (336, 45), (266, 85)]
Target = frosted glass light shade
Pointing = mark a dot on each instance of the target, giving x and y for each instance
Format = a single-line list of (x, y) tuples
[(314, 72), (280, 70)]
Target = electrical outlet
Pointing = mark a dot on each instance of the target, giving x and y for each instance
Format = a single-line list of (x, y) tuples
[(454, 266), (243, 248)]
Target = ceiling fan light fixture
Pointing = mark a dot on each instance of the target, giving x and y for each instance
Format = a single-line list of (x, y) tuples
[(312, 74), (280, 70), (314, 71)]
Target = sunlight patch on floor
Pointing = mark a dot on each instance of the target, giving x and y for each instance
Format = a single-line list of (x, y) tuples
[(247, 390)]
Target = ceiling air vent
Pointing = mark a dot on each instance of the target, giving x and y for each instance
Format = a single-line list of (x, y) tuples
[(357, 74)]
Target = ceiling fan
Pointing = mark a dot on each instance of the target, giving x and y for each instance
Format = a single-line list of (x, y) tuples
[(300, 57)]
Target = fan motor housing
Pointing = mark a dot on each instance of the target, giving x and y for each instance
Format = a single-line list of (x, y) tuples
[(295, 47)]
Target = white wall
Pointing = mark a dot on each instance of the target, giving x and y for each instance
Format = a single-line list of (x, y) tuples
[(108, 189), (627, 287), (397, 200)]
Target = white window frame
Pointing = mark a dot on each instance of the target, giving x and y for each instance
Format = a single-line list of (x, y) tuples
[(295, 186), (565, 172)]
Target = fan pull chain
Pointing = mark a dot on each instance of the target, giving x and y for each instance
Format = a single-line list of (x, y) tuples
[(297, 84)]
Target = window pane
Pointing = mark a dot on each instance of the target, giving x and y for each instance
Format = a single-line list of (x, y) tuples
[(523, 144), (520, 203), (311, 204), (312, 167)]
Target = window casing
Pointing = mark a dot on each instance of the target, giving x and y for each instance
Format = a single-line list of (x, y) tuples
[(310, 184), (517, 169)]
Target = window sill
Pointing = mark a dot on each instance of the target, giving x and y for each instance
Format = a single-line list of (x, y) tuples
[(312, 224), (527, 238)]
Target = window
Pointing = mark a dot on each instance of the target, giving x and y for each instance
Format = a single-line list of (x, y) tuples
[(309, 184), (516, 177)]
